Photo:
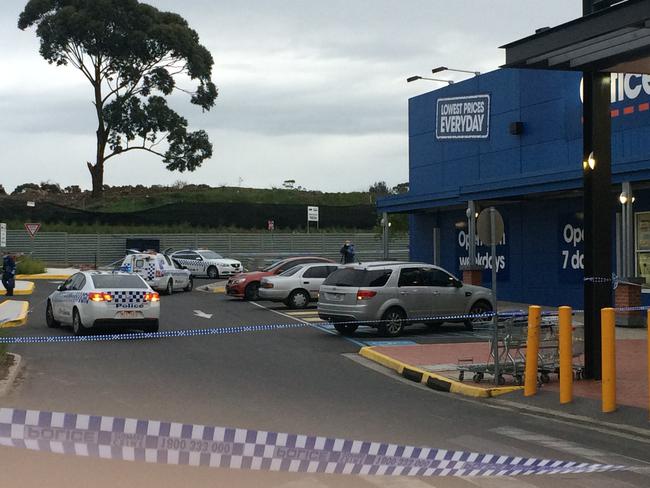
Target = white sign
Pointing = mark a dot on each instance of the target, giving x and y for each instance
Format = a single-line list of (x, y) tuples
[(3, 235), (312, 214)]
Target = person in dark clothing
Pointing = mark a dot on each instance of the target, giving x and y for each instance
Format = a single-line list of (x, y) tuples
[(347, 253), (9, 274)]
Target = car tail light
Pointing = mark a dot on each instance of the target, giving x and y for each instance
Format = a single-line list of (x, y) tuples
[(98, 296), (266, 284), (365, 294), (152, 296)]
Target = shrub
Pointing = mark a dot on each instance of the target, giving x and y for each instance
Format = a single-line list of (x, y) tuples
[(29, 265)]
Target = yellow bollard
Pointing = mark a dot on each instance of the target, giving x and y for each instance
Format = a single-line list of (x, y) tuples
[(566, 355), (608, 335), (532, 350)]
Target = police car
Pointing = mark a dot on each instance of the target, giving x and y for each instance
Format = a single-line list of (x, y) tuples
[(203, 262), (159, 271), (98, 298)]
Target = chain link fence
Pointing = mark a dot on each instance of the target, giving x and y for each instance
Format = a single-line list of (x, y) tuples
[(253, 249)]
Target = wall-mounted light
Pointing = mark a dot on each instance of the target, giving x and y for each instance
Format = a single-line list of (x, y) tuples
[(622, 198), (589, 163)]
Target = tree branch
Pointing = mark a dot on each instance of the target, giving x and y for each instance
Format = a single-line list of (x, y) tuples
[(133, 148)]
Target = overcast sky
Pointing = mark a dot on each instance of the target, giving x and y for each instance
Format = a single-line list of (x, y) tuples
[(311, 91)]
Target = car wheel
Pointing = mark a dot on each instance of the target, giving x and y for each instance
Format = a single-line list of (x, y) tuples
[(346, 329), (392, 323), (154, 327), (77, 326), (299, 299), (190, 285), (478, 308), (49, 317), (252, 291), (213, 273), (169, 289)]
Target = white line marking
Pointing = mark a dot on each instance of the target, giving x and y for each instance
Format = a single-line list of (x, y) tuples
[(315, 326)]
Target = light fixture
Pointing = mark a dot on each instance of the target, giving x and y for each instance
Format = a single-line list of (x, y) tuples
[(417, 77), (444, 68), (623, 198), (590, 162)]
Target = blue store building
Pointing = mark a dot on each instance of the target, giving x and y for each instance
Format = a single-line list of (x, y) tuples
[(512, 139)]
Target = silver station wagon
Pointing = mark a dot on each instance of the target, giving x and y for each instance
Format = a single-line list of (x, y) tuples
[(392, 295)]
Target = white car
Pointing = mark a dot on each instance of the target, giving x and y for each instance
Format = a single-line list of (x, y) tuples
[(99, 298), (159, 271), (297, 286), (203, 262)]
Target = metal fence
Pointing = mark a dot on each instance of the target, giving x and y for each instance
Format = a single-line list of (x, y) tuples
[(253, 249)]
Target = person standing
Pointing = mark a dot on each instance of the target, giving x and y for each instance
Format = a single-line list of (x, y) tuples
[(9, 274), (347, 252)]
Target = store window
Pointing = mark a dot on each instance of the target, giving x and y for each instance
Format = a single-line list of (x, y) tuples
[(643, 245)]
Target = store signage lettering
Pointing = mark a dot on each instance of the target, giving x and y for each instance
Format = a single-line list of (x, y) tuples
[(483, 255), (463, 117), (625, 86), (571, 249)]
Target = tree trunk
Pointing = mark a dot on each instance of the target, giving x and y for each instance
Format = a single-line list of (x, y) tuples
[(97, 175)]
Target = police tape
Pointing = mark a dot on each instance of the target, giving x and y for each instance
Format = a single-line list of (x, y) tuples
[(151, 441)]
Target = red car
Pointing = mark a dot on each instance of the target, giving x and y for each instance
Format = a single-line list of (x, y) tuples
[(247, 285)]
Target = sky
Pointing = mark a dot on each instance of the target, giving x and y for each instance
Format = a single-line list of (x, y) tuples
[(310, 91)]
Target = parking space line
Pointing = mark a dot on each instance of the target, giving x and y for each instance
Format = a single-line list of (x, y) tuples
[(315, 326)]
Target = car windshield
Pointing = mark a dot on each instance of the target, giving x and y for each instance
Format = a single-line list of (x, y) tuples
[(358, 277), (292, 271), (210, 255), (118, 281)]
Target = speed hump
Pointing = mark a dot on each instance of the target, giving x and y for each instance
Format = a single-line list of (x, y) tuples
[(488, 232)]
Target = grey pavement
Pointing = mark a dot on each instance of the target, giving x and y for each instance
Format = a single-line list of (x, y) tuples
[(302, 380)]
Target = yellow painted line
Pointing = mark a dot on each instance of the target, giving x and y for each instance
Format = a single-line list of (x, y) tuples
[(27, 289), (43, 276), (455, 386), (303, 312), (312, 319), (20, 319), (219, 289)]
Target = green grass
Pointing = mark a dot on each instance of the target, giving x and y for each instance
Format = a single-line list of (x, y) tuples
[(28, 265)]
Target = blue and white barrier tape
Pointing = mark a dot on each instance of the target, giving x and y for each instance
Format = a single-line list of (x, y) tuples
[(198, 445)]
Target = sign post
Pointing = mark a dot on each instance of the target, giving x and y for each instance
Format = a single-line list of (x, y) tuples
[(3, 235), (490, 231), (312, 216)]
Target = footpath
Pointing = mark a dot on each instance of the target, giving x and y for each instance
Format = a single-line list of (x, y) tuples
[(438, 367)]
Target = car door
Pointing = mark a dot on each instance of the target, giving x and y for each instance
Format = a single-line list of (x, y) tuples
[(67, 297), (194, 262), (447, 298), (414, 294), (313, 277)]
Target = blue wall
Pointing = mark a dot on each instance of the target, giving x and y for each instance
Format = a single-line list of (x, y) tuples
[(445, 174)]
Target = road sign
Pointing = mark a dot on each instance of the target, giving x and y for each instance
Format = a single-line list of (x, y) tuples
[(312, 214), (3, 235), (483, 227), (32, 229)]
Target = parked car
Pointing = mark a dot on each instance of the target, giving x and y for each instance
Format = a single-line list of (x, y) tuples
[(390, 296), (203, 262), (297, 286), (159, 271), (247, 285), (97, 298)]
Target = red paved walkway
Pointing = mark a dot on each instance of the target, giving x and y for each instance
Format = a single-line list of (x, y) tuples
[(631, 366)]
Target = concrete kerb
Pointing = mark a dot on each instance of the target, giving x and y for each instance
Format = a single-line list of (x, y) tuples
[(22, 288), (16, 312), (432, 380)]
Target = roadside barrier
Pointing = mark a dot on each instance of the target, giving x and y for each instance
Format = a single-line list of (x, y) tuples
[(173, 443)]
